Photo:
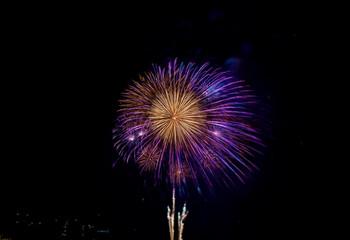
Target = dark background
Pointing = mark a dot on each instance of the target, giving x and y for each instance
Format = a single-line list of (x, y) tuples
[(65, 66)]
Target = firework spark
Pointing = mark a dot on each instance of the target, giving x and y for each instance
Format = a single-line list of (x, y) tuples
[(188, 123)]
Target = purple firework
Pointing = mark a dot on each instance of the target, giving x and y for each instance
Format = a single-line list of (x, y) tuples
[(189, 123)]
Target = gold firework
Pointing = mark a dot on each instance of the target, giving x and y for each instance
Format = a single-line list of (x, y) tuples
[(148, 160), (176, 116)]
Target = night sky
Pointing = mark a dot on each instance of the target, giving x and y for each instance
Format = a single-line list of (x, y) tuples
[(67, 65)]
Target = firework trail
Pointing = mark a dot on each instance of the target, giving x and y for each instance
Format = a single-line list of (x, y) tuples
[(189, 123)]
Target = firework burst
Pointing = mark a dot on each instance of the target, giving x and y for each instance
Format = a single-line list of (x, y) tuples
[(188, 122)]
